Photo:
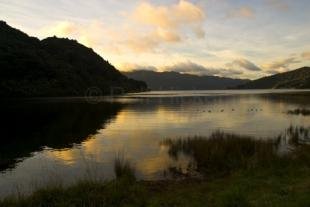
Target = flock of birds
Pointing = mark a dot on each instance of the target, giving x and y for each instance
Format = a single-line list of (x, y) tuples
[(223, 110)]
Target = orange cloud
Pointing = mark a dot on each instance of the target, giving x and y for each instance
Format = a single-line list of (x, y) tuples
[(88, 35), (167, 21), (147, 27)]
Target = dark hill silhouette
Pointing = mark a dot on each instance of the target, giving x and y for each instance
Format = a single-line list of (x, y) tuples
[(54, 67), (298, 79), (178, 81)]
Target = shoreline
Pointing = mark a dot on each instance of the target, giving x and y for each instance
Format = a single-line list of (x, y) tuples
[(236, 171)]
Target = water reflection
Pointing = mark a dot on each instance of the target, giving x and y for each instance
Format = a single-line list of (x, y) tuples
[(31, 127), (71, 138)]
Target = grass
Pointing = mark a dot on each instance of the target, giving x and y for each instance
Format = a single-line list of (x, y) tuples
[(221, 154), (240, 189), (238, 171), (298, 136), (123, 168)]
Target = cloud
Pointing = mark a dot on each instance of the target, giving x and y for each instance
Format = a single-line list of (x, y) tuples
[(306, 55), (187, 67), (133, 67), (97, 35), (168, 21), (242, 12), (230, 73), (160, 24), (280, 65), (140, 43), (190, 68), (73, 30), (244, 64), (146, 28), (197, 69)]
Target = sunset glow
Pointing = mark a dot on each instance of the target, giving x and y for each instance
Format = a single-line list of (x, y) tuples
[(239, 38)]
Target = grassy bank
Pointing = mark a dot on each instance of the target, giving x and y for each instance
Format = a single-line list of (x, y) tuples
[(236, 172), (241, 189)]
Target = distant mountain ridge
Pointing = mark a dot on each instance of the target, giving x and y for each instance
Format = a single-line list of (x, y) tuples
[(54, 67), (178, 81), (295, 79)]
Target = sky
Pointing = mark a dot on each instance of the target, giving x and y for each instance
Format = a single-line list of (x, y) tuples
[(229, 38)]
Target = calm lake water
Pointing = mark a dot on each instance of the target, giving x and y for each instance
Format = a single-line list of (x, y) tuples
[(62, 140)]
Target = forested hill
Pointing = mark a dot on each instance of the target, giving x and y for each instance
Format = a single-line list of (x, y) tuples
[(177, 81), (54, 67), (296, 79)]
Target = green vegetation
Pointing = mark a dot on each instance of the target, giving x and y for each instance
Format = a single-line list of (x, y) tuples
[(244, 189), (54, 67), (237, 172), (299, 78)]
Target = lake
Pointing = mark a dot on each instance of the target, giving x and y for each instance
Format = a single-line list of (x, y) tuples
[(62, 140)]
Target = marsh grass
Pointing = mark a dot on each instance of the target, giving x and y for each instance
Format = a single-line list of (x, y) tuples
[(221, 154), (298, 136), (123, 168)]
